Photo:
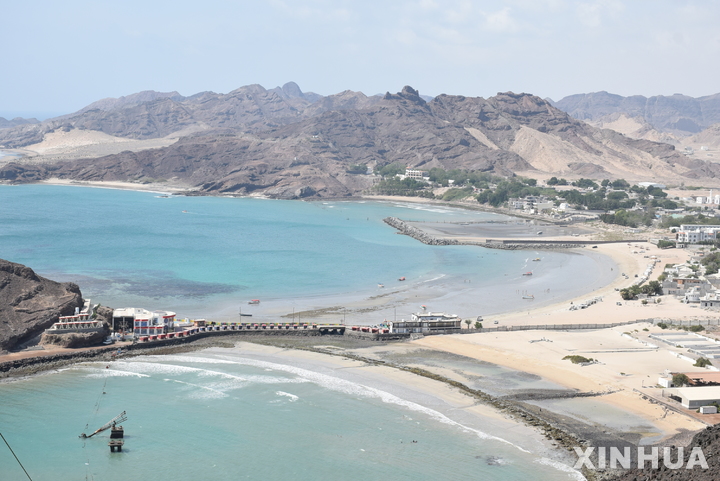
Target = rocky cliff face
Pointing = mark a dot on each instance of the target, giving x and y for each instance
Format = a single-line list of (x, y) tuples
[(707, 440), (30, 303)]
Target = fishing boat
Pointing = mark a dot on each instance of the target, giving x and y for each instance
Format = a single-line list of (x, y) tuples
[(529, 273), (401, 279)]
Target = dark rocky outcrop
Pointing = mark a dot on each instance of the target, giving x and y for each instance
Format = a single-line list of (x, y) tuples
[(75, 339), (707, 440), (30, 304)]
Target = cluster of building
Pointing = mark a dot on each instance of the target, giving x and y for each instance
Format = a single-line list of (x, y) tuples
[(702, 390), (709, 200), (534, 204), (681, 282)]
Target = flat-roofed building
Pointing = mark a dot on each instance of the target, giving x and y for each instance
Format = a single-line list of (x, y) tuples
[(142, 322), (416, 174), (692, 234), (428, 323), (694, 397)]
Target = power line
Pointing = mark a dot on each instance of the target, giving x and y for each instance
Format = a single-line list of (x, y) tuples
[(16, 458)]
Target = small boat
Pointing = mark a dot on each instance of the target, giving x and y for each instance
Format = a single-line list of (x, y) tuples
[(245, 315), (401, 279), (537, 259), (381, 285), (184, 212), (529, 273), (254, 301), (529, 297)]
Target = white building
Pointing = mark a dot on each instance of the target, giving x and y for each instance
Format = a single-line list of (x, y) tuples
[(692, 234), (420, 175), (143, 322), (694, 397), (645, 185)]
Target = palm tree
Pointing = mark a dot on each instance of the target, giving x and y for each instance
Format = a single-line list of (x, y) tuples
[(468, 322)]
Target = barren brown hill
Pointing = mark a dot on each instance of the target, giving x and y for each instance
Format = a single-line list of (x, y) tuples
[(30, 304), (281, 145)]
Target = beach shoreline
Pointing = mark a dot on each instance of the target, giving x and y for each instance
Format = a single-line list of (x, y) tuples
[(613, 259)]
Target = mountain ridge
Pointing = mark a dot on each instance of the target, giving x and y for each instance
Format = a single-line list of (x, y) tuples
[(280, 144)]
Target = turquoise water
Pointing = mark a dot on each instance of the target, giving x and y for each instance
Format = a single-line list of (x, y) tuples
[(205, 256), (234, 416), (229, 415)]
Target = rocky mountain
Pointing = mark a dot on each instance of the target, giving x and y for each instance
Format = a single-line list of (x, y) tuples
[(278, 143), (677, 114), (30, 304), (149, 115), (6, 124)]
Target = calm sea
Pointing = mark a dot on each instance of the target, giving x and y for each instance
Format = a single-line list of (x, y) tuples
[(230, 415), (223, 415), (206, 256)]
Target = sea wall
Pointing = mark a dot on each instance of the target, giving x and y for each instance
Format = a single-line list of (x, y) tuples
[(506, 244), (417, 234)]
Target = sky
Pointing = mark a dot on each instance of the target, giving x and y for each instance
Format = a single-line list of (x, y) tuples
[(59, 56)]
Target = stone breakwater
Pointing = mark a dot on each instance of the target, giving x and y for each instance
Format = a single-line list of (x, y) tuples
[(419, 235)]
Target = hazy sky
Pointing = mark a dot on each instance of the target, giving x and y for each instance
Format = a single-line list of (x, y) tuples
[(59, 56)]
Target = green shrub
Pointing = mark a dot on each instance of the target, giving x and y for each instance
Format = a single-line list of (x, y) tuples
[(575, 359), (702, 362)]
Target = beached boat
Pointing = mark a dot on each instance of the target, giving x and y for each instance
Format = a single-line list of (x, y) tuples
[(529, 273), (254, 301), (529, 297)]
